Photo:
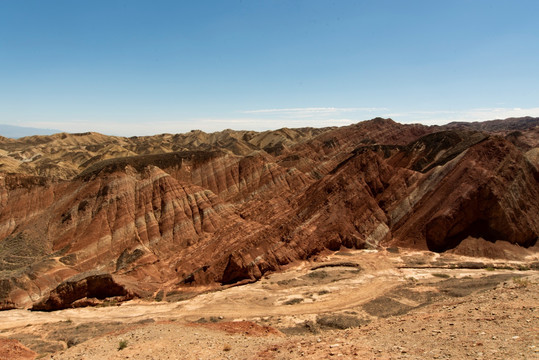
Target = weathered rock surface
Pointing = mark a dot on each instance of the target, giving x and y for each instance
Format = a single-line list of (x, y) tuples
[(185, 212), (11, 349), (84, 287), (489, 191)]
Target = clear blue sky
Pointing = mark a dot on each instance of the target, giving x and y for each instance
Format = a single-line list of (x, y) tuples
[(142, 67)]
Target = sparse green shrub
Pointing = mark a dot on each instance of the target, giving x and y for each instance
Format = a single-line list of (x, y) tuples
[(160, 295), (440, 275), (317, 274), (340, 321), (521, 282), (293, 301), (122, 344)]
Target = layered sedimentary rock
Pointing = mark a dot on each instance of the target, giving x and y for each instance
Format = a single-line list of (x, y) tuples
[(489, 191), (174, 213), (64, 156)]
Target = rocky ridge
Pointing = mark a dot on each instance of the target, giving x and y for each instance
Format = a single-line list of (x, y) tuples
[(184, 213)]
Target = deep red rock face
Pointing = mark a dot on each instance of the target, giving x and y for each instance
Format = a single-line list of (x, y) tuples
[(92, 286), (237, 205), (490, 191)]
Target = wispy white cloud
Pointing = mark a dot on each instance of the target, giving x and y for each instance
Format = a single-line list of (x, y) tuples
[(120, 128), (312, 112), (315, 110), (182, 126), (270, 123), (267, 119)]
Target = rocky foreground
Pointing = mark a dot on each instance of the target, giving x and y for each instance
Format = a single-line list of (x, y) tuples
[(89, 219), (397, 304)]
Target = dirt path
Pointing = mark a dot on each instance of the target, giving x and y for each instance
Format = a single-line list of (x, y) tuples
[(389, 306), (254, 300)]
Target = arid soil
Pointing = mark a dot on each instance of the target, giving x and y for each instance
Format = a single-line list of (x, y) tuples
[(388, 304)]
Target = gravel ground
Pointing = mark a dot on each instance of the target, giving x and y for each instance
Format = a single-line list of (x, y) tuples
[(412, 305), (501, 323)]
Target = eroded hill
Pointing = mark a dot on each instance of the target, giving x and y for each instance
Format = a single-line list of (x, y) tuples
[(169, 214)]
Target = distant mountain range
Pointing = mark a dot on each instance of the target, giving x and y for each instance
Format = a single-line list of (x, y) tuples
[(15, 132)]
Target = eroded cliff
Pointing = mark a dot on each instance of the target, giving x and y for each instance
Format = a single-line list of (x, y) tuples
[(172, 213)]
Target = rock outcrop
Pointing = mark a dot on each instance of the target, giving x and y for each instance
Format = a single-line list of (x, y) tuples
[(75, 291), (131, 217), (488, 191)]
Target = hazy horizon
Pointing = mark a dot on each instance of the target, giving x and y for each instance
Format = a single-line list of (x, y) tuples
[(15, 132)]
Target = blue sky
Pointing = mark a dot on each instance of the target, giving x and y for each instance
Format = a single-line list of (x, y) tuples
[(143, 67)]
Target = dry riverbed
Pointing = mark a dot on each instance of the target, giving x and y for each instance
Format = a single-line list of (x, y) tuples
[(351, 304)]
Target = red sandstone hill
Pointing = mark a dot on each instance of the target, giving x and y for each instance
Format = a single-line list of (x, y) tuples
[(86, 216)]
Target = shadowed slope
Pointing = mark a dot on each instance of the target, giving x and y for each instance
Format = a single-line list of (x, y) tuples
[(211, 215)]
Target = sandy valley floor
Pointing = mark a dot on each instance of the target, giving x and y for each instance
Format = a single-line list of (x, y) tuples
[(352, 304)]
